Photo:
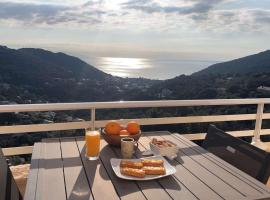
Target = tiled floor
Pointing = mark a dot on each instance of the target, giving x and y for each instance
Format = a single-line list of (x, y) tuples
[(20, 173)]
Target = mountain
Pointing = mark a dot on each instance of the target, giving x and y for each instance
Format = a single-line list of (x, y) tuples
[(257, 63), (37, 75), (239, 78), (30, 62)]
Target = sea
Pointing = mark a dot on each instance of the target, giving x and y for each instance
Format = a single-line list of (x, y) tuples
[(152, 68)]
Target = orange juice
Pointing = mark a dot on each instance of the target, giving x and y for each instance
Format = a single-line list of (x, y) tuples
[(92, 142)]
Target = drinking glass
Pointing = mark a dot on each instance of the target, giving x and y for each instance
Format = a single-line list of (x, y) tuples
[(92, 143)]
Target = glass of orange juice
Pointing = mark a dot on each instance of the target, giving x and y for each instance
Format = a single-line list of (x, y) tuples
[(92, 143)]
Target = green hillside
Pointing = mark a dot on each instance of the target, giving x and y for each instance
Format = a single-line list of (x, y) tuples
[(257, 63), (37, 75)]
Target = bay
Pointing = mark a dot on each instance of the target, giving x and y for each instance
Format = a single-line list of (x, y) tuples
[(153, 68)]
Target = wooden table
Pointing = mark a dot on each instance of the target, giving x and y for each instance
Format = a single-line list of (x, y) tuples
[(59, 171)]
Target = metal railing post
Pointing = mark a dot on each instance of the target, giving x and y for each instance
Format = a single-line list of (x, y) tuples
[(258, 125), (256, 140), (93, 118)]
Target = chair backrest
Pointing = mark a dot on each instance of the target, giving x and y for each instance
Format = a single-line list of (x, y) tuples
[(241, 154), (8, 187)]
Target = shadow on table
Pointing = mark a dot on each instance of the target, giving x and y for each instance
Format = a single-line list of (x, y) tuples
[(80, 189), (167, 182)]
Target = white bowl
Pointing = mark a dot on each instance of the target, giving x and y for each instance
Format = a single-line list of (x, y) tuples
[(169, 152)]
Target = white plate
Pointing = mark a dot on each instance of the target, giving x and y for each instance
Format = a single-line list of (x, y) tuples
[(116, 168)]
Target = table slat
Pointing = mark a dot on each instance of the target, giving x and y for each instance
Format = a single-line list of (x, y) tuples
[(41, 170), (100, 183), (30, 191), (76, 183), (51, 185)]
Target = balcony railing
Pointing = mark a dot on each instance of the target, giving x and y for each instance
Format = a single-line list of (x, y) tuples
[(93, 123)]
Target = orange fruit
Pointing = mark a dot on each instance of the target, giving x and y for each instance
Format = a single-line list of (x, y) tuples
[(124, 132), (133, 128), (112, 128)]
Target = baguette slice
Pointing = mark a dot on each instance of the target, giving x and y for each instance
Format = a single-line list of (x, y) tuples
[(153, 163), (154, 170), (133, 172), (131, 164)]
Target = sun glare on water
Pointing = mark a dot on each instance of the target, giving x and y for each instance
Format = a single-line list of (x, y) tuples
[(123, 67)]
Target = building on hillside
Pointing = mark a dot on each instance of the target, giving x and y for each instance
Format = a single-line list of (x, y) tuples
[(263, 89)]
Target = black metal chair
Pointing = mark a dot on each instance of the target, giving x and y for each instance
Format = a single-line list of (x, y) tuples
[(8, 187), (237, 152)]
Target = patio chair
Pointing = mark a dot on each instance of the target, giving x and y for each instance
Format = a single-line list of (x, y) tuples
[(8, 187), (237, 152)]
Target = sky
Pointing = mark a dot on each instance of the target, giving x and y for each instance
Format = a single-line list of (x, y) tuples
[(182, 29)]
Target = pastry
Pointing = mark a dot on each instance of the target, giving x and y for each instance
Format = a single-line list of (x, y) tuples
[(153, 163), (162, 143), (133, 172), (130, 164), (154, 170)]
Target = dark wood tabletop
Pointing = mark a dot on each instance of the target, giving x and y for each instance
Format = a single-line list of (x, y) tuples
[(59, 171)]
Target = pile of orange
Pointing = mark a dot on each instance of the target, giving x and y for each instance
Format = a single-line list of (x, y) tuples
[(114, 128)]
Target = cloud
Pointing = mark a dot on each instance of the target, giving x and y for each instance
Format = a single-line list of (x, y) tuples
[(261, 16), (202, 15), (92, 3), (239, 21), (150, 6), (24, 11), (50, 14), (161, 15)]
